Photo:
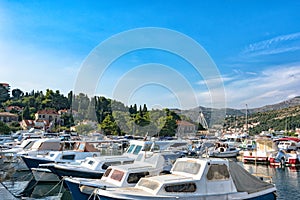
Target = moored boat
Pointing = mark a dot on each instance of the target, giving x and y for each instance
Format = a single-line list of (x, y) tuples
[(222, 150), (121, 175), (197, 179), (264, 148)]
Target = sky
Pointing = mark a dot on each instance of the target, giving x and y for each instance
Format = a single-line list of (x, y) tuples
[(250, 50)]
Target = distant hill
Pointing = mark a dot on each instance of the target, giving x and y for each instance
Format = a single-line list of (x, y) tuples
[(285, 104), (216, 116)]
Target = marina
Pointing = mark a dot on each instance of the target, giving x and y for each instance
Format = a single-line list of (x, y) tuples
[(149, 100), (21, 184), (286, 179)]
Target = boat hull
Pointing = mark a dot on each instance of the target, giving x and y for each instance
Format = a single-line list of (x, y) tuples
[(60, 172), (32, 162), (268, 196), (74, 189), (224, 155)]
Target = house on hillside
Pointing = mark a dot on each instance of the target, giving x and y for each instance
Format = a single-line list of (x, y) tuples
[(27, 124), (185, 128), (8, 117), (48, 115), (14, 108), (5, 85)]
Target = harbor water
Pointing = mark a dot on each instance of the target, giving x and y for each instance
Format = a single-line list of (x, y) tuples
[(21, 185)]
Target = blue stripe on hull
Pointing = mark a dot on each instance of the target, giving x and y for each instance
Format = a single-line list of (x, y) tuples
[(75, 191), (34, 163), (269, 196)]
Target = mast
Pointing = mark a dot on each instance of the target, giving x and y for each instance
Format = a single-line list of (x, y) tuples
[(246, 118)]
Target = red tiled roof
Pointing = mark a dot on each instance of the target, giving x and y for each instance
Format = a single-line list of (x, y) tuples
[(7, 114), (28, 122), (49, 112), (9, 108), (184, 123), (4, 84)]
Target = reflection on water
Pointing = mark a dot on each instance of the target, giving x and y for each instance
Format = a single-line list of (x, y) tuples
[(286, 179)]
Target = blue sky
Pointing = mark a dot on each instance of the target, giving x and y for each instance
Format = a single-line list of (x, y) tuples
[(254, 44)]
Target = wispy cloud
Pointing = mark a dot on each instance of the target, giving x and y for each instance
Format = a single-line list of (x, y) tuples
[(275, 45), (272, 85)]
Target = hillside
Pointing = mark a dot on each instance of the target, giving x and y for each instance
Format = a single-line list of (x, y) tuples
[(285, 104), (273, 116)]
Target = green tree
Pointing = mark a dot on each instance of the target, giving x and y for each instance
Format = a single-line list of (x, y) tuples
[(67, 119), (4, 93), (109, 126), (169, 128), (14, 126), (84, 128), (4, 129), (91, 113), (103, 108), (17, 93), (26, 113)]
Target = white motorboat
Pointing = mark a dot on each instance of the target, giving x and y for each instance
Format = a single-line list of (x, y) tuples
[(122, 175), (222, 150), (82, 149), (265, 147), (191, 178)]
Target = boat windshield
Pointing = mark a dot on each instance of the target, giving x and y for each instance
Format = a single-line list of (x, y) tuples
[(152, 185), (147, 147), (131, 147), (28, 145), (107, 172), (190, 167), (135, 177), (137, 149), (117, 175)]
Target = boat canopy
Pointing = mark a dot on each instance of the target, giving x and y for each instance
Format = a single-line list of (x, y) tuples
[(244, 181)]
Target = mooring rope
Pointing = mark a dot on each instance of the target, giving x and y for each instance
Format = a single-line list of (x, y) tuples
[(60, 182)]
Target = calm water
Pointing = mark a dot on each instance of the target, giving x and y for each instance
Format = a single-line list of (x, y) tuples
[(286, 180)]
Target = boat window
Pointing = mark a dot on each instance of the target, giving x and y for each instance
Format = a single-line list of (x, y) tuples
[(117, 175), (137, 149), (148, 184), (217, 172), (184, 187), (91, 162), (106, 173), (28, 145), (107, 164), (68, 157), (156, 147), (187, 167), (51, 154), (135, 177), (81, 147), (128, 162), (131, 147), (147, 147)]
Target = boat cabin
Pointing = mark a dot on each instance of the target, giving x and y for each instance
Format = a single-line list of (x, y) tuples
[(198, 179), (103, 162)]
